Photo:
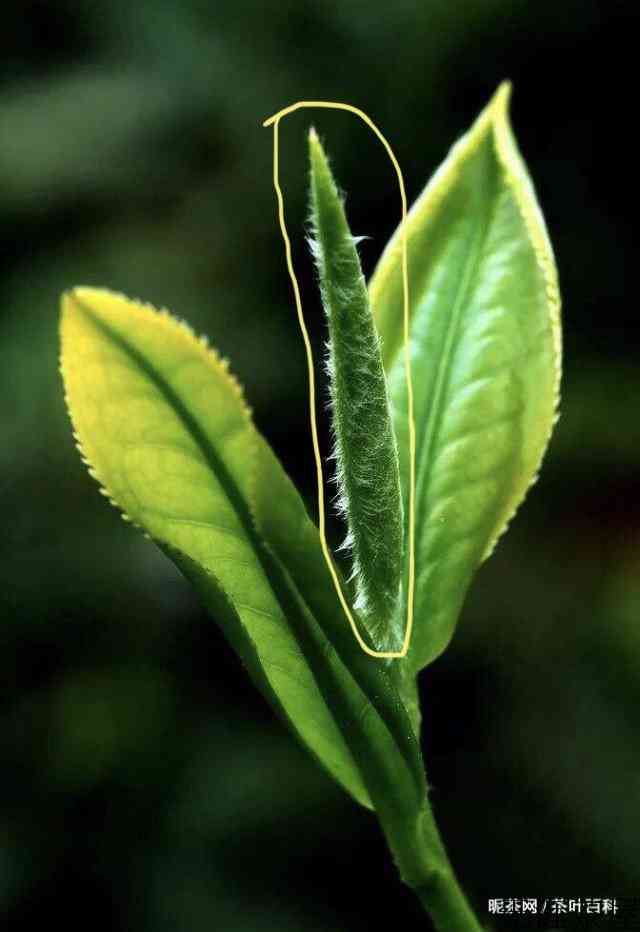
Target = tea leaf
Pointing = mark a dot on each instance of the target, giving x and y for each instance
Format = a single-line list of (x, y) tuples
[(486, 347), (365, 448), (168, 435)]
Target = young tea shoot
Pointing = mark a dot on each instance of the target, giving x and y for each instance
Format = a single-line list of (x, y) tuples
[(167, 433)]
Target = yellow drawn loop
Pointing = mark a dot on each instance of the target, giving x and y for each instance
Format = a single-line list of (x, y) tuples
[(275, 121)]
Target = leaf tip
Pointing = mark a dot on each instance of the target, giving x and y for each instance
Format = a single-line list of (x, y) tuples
[(322, 179), (78, 295), (502, 97)]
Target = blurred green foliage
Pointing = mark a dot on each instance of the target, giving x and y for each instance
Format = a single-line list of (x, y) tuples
[(144, 785)]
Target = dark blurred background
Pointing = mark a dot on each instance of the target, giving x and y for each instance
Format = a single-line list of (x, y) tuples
[(144, 784)]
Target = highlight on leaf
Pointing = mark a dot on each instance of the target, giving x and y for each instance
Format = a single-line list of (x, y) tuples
[(365, 450)]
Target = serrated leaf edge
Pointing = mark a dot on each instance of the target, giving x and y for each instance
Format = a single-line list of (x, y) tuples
[(177, 328), (523, 192)]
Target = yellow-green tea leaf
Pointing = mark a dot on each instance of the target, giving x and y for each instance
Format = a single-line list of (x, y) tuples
[(166, 432)]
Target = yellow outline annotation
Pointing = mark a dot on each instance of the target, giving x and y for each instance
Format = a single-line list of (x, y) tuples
[(275, 121)]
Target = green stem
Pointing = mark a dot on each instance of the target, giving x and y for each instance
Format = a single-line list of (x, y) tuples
[(447, 906), (425, 867)]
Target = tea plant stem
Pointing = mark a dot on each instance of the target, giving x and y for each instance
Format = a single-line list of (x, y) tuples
[(446, 904), (425, 867)]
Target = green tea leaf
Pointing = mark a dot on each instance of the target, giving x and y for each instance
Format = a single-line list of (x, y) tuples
[(486, 347), (365, 448), (166, 432)]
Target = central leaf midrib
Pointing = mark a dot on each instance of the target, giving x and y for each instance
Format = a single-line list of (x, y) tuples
[(430, 434)]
